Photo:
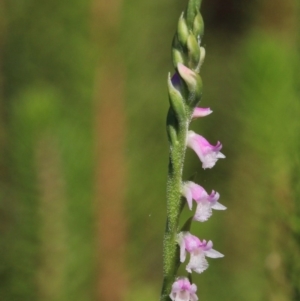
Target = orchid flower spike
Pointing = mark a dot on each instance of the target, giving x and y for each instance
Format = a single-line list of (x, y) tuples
[(198, 251), (207, 153), (201, 112), (182, 290), (205, 202)]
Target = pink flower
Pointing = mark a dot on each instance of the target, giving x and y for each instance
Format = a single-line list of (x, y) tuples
[(198, 251), (182, 290), (207, 153), (201, 112), (205, 202)]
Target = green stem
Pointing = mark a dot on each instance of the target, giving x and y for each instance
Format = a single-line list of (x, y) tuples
[(171, 250)]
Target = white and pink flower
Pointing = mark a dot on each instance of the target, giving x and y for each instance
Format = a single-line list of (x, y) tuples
[(205, 202), (198, 251), (207, 153), (183, 290)]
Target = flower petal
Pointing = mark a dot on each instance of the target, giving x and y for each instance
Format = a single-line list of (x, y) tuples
[(188, 194), (213, 254), (197, 263), (213, 197), (203, 212), (201, 112), (218, 206), (181, 242)]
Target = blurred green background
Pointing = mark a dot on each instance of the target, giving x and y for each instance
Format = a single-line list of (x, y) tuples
[(83, 161)]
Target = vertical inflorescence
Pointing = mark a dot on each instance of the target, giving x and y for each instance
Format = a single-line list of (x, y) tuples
[(185, 91)]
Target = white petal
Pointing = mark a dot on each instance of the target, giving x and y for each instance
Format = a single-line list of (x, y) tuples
[(182, 296), (193, 289), (220, 156), (194, 297), (181, 242), (197, 263), (213, 254), (218, 206), (203, 212), (172, 296), (188, 195), (182, 251)]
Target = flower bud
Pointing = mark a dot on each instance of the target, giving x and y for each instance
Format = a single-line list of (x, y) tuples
[(198, 27), (178, 55), (175, 97), (193, 82), (194, 51), (182, 30)]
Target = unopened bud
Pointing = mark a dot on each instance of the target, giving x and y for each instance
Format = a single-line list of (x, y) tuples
[(177, 57), (194, 51), (175, 97), (193, 82), (198, 27), (182, 30), (188, 76), (177, 54)]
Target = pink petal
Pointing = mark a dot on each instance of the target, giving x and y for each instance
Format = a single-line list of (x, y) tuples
[(191, 242), (192, 191), (201, 112), (213, 197), (187, 74)]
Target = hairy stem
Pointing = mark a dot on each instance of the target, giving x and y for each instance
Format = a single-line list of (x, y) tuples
[(176, 160)]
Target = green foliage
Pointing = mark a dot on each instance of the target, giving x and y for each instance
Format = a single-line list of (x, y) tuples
[(48, 71)]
